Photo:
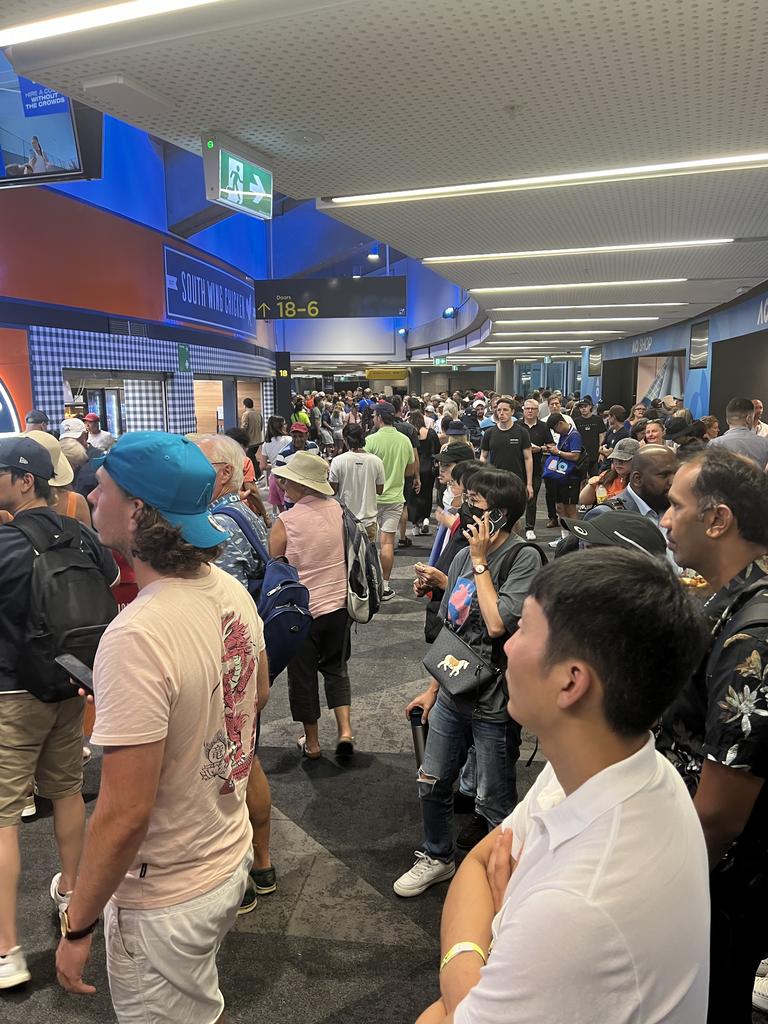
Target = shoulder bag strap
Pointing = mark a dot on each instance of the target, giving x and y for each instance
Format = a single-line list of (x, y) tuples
[(251, 536)]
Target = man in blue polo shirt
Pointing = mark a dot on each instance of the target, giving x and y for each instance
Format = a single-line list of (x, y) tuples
[(562, 472)]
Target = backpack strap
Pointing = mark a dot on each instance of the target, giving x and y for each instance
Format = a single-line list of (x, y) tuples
[(43, 535), (237, 516), (511, 557)]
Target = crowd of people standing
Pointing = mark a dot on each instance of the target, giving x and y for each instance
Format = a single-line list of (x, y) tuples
[(632, 645)]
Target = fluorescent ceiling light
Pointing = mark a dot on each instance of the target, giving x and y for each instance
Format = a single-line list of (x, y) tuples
[(576, 284), (97, 17), (742, 162), (604, 305), (536, 334), (581, 251), (582, 320)]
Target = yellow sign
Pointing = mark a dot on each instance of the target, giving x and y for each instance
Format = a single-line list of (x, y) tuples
[(282, 373), (386, 372)]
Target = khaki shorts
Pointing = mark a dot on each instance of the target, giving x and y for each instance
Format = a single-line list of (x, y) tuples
[(40, 743), (388, 517), (162, 962)]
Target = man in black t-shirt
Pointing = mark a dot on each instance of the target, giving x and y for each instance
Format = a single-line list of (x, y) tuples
[(592, 430), (540, 435), (508, 445), (617, 430)]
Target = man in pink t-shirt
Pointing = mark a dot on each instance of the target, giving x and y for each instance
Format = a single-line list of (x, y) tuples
[(179, 677)]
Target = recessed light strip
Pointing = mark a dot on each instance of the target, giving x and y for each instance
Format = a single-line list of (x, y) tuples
[(585, 250), (583, 320), (742, 162), (605, 305), (576, 284), (97, 17), (531, 334)]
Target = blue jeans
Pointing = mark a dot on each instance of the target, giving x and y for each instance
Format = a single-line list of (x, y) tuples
[(497, 748)]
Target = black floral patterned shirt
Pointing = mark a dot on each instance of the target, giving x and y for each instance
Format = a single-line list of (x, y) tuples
[(724, 718)]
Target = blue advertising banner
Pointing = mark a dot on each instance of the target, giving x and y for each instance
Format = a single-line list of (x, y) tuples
[(203, 294), (39, 99)]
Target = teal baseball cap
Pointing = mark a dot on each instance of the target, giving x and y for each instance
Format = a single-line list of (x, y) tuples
[(172, 475)]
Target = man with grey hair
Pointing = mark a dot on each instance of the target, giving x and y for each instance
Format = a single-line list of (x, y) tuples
[(238, 557), (240, 560)]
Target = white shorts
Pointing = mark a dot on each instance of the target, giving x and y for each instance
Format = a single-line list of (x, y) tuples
[(388, 517), (162, 963)]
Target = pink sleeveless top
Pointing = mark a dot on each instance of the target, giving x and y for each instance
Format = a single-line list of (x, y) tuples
[(315, 548)]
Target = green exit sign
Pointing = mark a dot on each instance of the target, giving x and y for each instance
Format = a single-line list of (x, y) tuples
[(439, 361), (454, 368), (235, 178)]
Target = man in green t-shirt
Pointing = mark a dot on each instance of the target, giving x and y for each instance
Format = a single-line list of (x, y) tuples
[(395, 451)]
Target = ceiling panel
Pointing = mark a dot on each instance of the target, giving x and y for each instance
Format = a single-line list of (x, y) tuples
[(439, 92)]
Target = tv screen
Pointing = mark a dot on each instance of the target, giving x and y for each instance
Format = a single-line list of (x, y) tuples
[(44, 136), (595, 362), (698, 351)]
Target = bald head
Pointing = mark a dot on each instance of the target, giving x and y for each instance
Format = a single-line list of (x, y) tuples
[(653, 469)]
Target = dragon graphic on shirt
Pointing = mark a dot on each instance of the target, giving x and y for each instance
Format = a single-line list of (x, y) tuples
[(225, 755)]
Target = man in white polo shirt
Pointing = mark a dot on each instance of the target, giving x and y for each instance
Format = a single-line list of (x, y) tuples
[(595, 889)]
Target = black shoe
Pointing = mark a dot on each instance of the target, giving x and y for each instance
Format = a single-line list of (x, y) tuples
[(250, 898), (463, 804), (473, 832), (264, 880)]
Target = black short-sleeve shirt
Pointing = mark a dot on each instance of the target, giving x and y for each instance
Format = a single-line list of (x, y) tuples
[(540, 434), (590, 428), (16, 574), (505, 448)]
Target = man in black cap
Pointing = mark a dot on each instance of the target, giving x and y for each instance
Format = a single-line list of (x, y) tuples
[(38, 741), (35, 420), (628, 530)]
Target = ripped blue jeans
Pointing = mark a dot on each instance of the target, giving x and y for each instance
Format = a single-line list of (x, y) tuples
[(497, 748)]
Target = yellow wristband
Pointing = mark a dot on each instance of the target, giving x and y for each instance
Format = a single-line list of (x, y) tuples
[(462, 947)]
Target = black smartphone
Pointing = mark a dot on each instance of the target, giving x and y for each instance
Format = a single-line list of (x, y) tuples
[(78, 671)]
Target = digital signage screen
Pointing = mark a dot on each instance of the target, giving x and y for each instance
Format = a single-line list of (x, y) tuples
[(44, 136), (595, 362), (698, 352)]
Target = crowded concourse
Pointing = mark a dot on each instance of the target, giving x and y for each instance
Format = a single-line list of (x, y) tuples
[(488, 596)]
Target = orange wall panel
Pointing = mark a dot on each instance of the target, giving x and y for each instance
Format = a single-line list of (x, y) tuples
[(14, 369)]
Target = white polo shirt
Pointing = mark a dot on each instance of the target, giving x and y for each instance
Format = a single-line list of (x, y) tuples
[(606, 916)]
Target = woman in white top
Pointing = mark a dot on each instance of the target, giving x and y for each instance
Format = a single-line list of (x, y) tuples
[(276, 439)]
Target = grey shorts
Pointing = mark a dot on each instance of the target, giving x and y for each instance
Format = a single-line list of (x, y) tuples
[(388, 517)]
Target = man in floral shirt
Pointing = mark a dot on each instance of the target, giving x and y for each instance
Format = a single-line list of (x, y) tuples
[(716, 732)]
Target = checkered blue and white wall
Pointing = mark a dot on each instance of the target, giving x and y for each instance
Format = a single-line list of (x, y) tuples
[(146, 401)]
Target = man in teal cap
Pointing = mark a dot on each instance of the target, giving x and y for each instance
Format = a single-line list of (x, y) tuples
[(178, 680)]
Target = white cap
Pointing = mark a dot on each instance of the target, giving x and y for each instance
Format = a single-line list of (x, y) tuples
[(72, 427)]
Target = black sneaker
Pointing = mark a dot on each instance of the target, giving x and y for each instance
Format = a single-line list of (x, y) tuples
[(249, 900), (264, 880), (475, 830)]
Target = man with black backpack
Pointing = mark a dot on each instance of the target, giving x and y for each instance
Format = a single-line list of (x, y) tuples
[(42, 557), (716, 732)]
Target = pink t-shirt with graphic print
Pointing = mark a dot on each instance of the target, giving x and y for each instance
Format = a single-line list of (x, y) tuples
[(180, 664)]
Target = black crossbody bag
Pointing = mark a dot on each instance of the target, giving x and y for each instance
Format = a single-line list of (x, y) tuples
[(456, 666)]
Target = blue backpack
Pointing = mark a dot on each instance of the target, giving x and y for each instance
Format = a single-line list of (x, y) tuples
[(281, 599)]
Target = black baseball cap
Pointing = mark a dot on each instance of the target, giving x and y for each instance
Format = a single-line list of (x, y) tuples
[(386, 407), (36, 416), (455, 428), (619, 529), (456, 452), (27, 456)]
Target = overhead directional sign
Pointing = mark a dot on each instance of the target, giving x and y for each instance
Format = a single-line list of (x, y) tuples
[(439, 361), (323, 297)]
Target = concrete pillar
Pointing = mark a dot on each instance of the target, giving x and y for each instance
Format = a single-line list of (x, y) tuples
[(505, 376)]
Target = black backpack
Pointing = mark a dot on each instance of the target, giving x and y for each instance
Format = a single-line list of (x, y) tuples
[(365, 583), (70, 606)]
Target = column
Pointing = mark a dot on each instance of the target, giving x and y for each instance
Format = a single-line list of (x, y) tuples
[(505, 376)]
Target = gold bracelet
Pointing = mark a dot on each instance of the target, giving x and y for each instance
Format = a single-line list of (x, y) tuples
[(462, 947)]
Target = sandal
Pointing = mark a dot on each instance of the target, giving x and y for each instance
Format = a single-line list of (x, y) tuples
[(345, 748), (405, 542), (301, 743)]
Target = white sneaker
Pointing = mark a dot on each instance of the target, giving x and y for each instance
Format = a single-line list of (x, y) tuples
[(425, 872), (61, 899), (388, 593), (424, 530), (554, 543), (30, 808), (13, 968), (530, 535), (762, 969), (759, 993)]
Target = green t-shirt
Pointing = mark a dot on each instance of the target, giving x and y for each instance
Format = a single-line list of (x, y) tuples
[(396, 452), (301, 417)]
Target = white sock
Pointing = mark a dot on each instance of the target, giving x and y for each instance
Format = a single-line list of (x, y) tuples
[(563, 533)]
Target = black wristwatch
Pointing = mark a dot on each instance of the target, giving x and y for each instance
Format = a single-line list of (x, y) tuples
[(73, 936)]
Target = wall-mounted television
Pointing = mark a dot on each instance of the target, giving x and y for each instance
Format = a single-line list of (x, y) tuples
[(44, 137), (595, 361), (699, 348)]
